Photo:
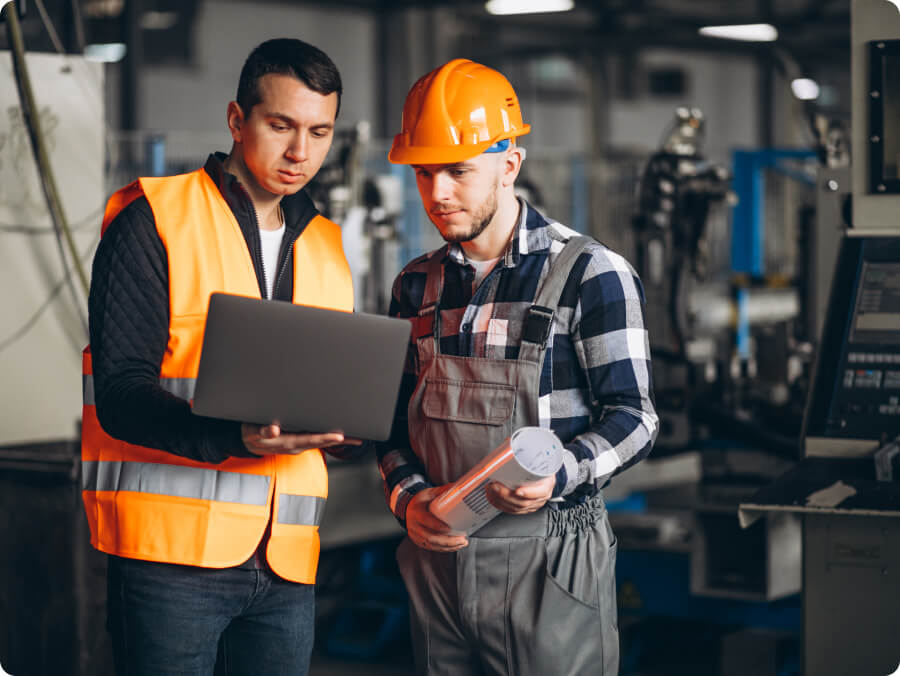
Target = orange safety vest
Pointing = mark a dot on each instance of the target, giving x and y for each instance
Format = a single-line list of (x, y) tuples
[(148, 504)]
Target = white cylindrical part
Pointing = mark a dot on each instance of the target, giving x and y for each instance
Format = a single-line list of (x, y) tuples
[(764, 306), (537, 450)]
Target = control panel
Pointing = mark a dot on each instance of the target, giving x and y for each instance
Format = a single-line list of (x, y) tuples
[(865, 384)]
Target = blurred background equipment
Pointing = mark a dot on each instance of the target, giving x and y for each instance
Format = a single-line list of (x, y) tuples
[(678, 190), (844, 488), (356, 190)]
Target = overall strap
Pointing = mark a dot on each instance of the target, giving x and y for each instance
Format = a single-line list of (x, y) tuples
[(428, 322), (539, 317)]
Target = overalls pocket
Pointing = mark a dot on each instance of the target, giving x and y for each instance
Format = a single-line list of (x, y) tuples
[(468, 402), (573, 563), (566, 604)]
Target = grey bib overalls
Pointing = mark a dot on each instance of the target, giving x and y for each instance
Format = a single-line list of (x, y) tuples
[(531, 594)]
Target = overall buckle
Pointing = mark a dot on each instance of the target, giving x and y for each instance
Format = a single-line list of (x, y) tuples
[(536, 328)]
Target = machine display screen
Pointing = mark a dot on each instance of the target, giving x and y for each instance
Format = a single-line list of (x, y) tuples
[(876, 317), (856, 393)]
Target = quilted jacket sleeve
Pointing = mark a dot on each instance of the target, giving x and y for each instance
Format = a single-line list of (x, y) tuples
[(129, 328)]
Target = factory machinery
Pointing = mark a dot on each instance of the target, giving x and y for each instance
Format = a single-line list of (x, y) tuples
[(731, 319), (845, 486), (779, 376)]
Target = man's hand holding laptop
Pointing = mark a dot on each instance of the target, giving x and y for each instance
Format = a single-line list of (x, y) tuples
[(269, 440)]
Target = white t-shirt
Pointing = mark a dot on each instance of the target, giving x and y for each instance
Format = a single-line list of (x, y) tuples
[(482, 269), (271, 245)]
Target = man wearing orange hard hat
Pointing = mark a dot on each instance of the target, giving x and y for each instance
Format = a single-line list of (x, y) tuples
[(517, 321)]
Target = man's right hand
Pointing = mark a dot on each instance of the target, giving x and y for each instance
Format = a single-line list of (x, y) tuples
[(269, 440), (425, 529)]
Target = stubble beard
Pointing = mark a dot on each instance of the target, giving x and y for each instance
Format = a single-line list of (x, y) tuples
[(481, 219)]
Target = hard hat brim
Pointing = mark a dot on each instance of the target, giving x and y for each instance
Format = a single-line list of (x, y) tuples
[(404, 154), (439, 155)]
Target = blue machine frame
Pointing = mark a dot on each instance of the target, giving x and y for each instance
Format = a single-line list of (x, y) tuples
[(748, 222)]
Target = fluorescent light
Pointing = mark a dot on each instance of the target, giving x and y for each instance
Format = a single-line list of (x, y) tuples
[(748, 32), (805, 89), (528, 6), (109, 52)]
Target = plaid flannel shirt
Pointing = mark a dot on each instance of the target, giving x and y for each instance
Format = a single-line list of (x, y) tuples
[(595, 385)]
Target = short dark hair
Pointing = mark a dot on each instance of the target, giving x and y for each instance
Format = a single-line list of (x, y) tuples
[(287, 56)]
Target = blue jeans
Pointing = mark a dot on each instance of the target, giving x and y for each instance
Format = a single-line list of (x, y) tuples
[(168, 620)]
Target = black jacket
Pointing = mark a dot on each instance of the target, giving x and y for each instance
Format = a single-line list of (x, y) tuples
[(129, 324)]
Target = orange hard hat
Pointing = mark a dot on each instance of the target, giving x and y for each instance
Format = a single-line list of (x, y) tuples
[(456, 112)]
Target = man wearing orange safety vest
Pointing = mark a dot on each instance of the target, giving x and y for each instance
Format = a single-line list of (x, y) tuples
[(211, 525), (517, 321)]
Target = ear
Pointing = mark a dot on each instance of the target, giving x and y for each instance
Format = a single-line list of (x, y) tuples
[(235, 118), (512, 164)]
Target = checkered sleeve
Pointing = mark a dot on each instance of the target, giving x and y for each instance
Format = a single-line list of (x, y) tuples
[(613, 351), (401, 470)]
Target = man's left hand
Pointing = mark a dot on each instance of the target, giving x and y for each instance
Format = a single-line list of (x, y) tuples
[(525, 499), (270, 440)]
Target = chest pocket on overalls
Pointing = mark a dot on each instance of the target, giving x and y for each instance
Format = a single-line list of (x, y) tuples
[(468, 401)]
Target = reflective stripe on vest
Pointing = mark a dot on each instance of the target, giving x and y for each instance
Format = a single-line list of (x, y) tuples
[(300, 510), (177, 481), (180, 387), (87, 391), (200, 484)]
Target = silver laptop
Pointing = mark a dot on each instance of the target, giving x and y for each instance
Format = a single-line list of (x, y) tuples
[(305, 368)]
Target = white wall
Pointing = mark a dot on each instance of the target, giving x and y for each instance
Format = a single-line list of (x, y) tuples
[(40, 399)]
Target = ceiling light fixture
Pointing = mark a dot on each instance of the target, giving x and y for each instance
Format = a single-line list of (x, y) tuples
[(748, 32), (528, 6)]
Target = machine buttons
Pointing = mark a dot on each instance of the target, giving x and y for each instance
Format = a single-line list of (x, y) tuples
[(848, 378), (866, 378)]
